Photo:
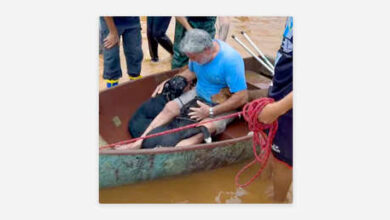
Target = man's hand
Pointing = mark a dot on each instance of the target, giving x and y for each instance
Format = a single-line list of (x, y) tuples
[(111, 40), (159, 88), (199, 113)]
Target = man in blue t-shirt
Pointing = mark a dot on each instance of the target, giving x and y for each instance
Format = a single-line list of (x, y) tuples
[(218, 69)]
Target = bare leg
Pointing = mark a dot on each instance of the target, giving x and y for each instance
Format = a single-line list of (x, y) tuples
[(171, 110), (282, 178), (198, 138)]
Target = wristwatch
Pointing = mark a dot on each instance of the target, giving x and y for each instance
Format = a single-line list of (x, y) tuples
[(211, 112)]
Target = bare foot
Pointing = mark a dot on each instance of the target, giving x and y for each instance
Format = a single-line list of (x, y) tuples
[(132, 146)]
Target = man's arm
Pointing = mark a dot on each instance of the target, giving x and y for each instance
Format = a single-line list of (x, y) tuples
[(235, 79), (223, 30), (235, 101), (272, 111), (112, 38), (183, 21)]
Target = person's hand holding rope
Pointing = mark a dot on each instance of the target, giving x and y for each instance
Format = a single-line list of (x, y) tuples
[(272, 111), (269, 114)]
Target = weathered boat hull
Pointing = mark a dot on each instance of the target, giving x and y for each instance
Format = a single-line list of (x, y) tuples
[(118, 167)]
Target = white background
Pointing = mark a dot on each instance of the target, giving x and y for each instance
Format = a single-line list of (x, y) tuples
[(49, 109)]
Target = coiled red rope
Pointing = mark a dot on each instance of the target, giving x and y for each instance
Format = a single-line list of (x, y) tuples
[(260, 138)]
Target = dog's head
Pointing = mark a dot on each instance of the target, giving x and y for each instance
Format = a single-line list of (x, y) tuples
[(174, 87)]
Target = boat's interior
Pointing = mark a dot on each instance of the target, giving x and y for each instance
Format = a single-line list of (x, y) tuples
[(118, 104)]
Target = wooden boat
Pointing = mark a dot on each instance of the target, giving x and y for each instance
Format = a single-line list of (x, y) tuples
[(118, 167)]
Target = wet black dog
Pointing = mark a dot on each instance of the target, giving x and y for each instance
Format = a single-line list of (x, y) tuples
[(173, 88), (170, 140)]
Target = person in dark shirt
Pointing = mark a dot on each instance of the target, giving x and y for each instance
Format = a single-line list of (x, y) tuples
[(130, 30), (282, 92)]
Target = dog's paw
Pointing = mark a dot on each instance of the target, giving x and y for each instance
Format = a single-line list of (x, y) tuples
[(208, 140)]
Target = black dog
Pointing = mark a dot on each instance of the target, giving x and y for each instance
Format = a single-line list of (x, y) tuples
[(170, 140), (138, 123)]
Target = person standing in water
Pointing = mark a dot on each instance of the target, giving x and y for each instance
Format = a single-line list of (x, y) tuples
[(281, 110)]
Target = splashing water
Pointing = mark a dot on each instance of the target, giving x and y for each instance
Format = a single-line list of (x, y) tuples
[(231, 197)]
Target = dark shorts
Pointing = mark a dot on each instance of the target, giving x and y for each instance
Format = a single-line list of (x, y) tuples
[(282, 148)]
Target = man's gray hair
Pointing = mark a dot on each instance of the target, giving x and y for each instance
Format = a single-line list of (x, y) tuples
[(195, 41)]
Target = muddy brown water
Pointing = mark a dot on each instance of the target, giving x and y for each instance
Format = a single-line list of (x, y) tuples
[(215, 186)]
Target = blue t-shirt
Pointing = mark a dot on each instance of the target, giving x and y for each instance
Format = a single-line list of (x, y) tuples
[(225, 70)]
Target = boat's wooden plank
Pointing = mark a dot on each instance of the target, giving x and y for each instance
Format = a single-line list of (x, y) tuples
[(256, 80)]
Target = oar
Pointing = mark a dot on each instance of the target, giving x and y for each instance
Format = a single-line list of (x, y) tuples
[(254, 55), (258, 50)]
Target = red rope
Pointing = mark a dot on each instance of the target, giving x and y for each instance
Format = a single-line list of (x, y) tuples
[(260, 138), (250, 112)]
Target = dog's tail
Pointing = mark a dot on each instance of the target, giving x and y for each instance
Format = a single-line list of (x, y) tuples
[(206, 134)]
